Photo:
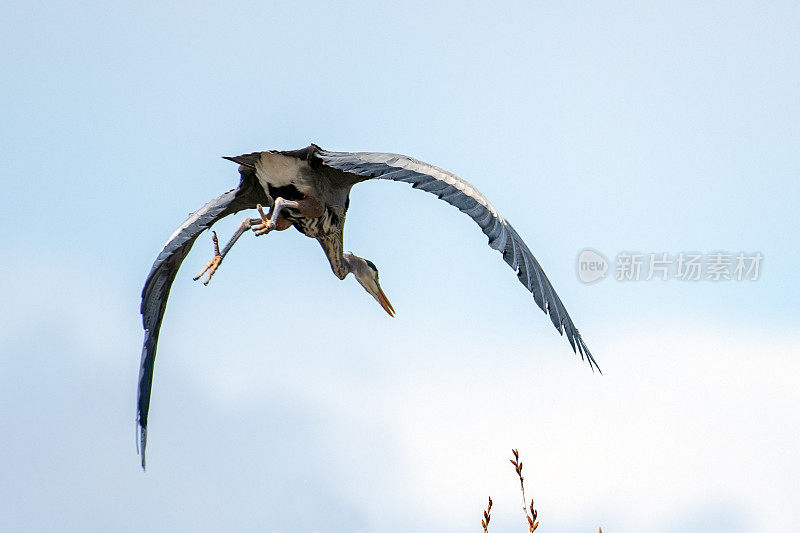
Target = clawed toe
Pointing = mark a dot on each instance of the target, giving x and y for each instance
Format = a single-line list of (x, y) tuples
[(212, 265), (266, 225), (264, 228)]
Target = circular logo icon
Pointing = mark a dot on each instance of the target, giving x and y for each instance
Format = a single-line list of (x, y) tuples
[(592, 266)]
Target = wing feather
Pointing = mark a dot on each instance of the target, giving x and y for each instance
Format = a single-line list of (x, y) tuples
[(461, 194), (156, 289)]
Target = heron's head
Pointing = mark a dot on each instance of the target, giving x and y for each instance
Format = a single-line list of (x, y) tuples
[(366, 273)]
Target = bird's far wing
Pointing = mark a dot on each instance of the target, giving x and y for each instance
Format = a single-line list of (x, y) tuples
[(457, 192), (156, 288)]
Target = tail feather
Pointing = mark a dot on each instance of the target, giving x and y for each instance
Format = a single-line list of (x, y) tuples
[(246, 160)]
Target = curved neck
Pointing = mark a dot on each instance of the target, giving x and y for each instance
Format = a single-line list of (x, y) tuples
[(348, 265), (341, 263)]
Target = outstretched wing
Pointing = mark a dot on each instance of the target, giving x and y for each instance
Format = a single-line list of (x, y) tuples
[(455, 191), (156, 288)]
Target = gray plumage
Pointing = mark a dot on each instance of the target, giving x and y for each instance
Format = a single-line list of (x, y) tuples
[(162, 274), (326, 177), (461, 194)]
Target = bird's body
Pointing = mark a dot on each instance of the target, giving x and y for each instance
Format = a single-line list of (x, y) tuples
[(290, 176), (309, 189)]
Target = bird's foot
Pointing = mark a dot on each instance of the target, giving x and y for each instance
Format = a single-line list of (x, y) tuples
[(212, 265), (266, 225)]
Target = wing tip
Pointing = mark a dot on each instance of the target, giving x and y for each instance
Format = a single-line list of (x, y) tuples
[(585, 350), (578, 344), (563, 324), (141, 444)]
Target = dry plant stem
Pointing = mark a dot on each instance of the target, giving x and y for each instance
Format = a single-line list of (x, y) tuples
[(530, 518), (531, 515), (487, 515)]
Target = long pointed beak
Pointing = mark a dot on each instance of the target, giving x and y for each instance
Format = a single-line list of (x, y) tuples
[(384, 301)]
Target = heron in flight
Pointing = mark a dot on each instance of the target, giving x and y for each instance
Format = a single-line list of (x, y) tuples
[(310, 190)]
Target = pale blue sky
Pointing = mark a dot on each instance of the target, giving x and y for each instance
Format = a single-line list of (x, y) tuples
[(652, 127)]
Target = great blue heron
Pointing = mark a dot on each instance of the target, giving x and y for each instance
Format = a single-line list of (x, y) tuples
[(310, 190)]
